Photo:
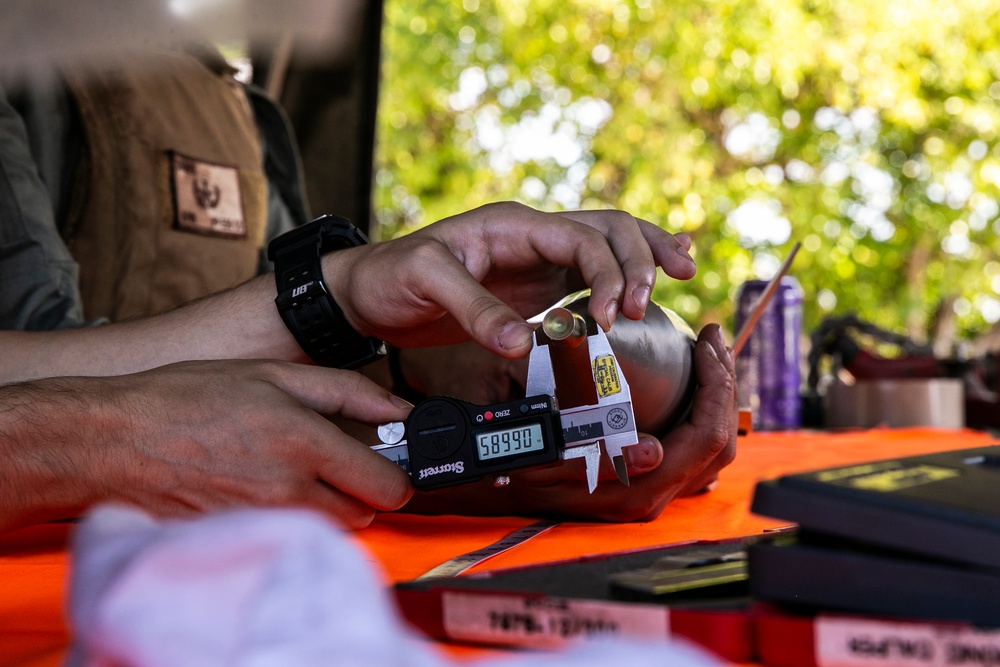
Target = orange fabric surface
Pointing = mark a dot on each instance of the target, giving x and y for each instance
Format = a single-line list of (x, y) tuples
[(34, 565)]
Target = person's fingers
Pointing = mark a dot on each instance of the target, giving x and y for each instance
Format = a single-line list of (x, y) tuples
[(670, 251), (503, 245), (636, 251), (684, 240), (350, 512), (708, 438), (513, 236), (341, 461), (330, 391), (349, 466), (367, 476), (487, 319), (561, 240), (632, 251), (715, 398), (725, 412), (640, 458), (643, 457), (611, 501)]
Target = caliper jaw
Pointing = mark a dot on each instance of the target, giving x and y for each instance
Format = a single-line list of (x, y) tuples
[(611, 420)]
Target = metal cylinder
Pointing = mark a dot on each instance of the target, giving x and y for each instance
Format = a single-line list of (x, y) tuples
[(570, 356), (562, 324)]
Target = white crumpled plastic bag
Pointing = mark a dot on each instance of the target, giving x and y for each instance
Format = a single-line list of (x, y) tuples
[(263, 588)]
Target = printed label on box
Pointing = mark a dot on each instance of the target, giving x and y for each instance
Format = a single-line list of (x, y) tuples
[(545, 622), (852, 642)]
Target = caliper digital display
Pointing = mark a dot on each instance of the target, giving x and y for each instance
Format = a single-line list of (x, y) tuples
[(509, 441), (449, 441)]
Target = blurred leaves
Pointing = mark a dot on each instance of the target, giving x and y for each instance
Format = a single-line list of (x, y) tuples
[(868, 131)]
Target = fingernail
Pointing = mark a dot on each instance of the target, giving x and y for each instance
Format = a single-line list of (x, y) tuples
[(611, 312), (684, 253), (400, 402), (711, 350), (641, 295), (643, 456), (515, 335)]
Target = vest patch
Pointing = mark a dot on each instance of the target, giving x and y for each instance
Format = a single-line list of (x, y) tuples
[(207, 198)]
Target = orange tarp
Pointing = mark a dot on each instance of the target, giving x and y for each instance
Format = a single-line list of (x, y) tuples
[(34, 564)]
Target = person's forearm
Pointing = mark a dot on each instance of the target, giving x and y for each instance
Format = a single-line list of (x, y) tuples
[(44, 471), (241, 323)]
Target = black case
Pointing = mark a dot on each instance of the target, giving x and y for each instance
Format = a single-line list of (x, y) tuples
[(911, 537)]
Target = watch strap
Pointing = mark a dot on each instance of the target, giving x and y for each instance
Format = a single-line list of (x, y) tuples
[(304, 302)]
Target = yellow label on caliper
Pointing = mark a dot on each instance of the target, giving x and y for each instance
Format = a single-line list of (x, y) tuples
[(606, 375)]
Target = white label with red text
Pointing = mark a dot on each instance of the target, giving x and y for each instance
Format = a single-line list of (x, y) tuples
[(519, 621), (848, 642)]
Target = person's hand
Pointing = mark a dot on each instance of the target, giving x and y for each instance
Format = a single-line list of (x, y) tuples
[(465, 371), (197, 436), (479, 274), (686, 460)]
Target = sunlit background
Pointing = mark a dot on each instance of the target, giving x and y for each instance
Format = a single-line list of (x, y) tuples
[(865, 130)]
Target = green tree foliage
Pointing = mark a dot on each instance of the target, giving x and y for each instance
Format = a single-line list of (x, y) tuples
[(865, 130)]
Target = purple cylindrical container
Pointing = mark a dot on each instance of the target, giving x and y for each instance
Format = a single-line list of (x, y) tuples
[(768, 371)]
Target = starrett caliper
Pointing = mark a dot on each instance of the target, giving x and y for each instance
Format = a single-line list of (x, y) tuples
[(577, 401)]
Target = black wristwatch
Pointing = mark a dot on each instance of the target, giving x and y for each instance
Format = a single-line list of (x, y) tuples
[(305, 305)]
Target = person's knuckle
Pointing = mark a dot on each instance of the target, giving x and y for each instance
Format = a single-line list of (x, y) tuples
[(483, 309), (719, 399), (717, 440), (716, 437), (504, 208), (349, 383), (620, 220), (425, 254), (730, 383)]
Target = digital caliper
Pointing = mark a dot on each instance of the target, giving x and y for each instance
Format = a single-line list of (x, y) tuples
[(449, 442), (446, 441)]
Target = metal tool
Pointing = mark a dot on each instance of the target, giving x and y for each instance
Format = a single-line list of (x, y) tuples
[(765, 298), (459, 564), (446, 442), (610, 420), (450, 442)]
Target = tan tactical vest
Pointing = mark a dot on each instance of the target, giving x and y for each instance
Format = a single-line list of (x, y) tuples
[(170, 200)]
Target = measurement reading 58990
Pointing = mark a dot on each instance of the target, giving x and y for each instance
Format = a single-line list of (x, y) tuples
[(497, 443)]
